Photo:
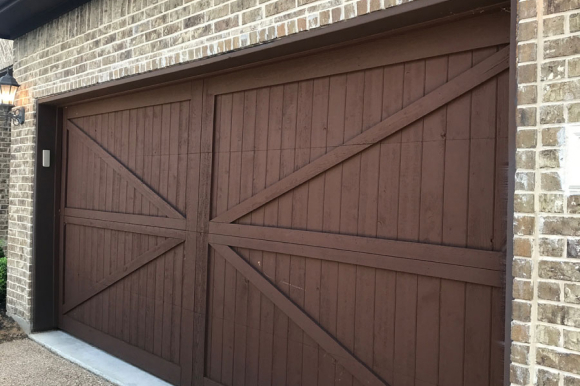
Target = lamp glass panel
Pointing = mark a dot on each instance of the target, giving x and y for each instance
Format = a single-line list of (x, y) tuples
[(7, 94)]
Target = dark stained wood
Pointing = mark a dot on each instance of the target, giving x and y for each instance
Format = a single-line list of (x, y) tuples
[(426, 252), (128, 269), (126, 227), (454, 272), (119, 168), (389, 199), (353, 209), (162, 222), (406, 47), (155, 97), (437, 98), (125, 194), (325, 340)]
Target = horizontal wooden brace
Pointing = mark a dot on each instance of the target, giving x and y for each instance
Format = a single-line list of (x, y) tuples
[(125, 227), (134, 219), (424, 268), (476, 258)]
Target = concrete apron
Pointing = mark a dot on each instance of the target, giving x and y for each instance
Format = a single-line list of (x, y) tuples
[(94, 360)]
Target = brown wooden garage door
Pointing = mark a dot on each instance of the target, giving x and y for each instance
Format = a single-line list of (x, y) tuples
[(337, 219)]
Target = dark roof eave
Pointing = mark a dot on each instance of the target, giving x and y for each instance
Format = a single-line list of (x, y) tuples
[(18, 17)]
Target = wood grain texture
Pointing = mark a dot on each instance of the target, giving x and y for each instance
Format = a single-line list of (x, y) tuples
[(328, 222), (330, 345), (435, 99)]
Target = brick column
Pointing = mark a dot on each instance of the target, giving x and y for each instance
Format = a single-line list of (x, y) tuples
[(4, 178), (546, 264)]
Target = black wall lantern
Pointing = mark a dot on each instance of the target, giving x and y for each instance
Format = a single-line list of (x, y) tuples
[(8, 87)]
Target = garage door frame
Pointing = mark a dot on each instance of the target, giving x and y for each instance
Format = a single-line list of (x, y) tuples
[(47, 181)]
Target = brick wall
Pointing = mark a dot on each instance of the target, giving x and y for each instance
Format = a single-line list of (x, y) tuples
[(546, 265), (5, 53), (5, 61), (111, 39)]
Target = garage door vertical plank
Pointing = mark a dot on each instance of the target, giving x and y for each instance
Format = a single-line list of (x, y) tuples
[(480, 223), (89, 258), (84, 271), (177, 293), (501, 162), (388, 211), (137, 239), (482, 162), (405, 329), (428, 308), (500, 223), (105, 234), (125, 120), (455, 203), (184, 116), (137, 149), (349, 220), (94, 127), (331, 223), (72, 238), (98, 247), (173, 160), (192, 166), (99, 201), (384, 324), (451, 333), (299, 220), (146, 155), (320, 99), (497, 339), (126, 154), (387, 217), (96, 303), (203, 285), (477, 334), (160, 261), (147, 289), (408, 227), (113, 204), (84, 262), (140, 203), (411, 150), (367, 220), (221, 199), (431, 219), (211, 121), (156, 153), (283, 119), (230, 138), (173, 269), (239, 160), (288, 144), (177, 120), (122, 129), (247, 183), (271, 145), (165, 189), (433, 158), (263, 365)]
